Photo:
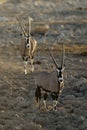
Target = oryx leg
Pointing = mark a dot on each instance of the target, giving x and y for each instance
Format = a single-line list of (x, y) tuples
[(32, 64), (25, 61), (61, 87), (44, 101), (25, 67), (38, 96), (54, 97)]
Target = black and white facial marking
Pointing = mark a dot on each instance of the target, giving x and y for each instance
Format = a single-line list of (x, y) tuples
[(60, 79), (27, 39), (60, 74)]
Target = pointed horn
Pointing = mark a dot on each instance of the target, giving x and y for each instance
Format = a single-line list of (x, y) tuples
[(21, 25), (53, 58), (63, 54), (29, 25)]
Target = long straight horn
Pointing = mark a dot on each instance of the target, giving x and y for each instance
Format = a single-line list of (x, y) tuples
[(21, 25), (53, 58), (29, 26), (63, 54)]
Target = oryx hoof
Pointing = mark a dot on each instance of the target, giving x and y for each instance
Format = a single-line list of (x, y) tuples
[(44, 109), (37, 104), (55, 108)]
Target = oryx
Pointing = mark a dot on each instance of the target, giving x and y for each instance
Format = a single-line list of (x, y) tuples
[(50, 83), (28, 44)]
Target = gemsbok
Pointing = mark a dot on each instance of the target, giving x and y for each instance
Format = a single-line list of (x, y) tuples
[(28, 45), (50, 83)]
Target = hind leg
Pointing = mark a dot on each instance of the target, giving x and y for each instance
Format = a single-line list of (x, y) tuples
[(38, 96)]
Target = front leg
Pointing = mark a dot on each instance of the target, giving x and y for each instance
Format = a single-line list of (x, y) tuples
[(54, 105), (32, 64), (25, 62), (54, 97), (25, 67), (44, 101)]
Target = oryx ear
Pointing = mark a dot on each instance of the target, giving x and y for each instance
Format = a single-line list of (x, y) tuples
[(31, 18), (57, 70), (20, 34), (63, 68)]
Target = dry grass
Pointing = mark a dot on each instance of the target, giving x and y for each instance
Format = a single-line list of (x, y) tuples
[(75, 49), (82, 49), (40, 25), (1, 1), (68, 21)]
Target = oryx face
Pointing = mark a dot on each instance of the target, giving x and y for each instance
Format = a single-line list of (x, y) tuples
[(59, 69), (27, 41), (60, 74)]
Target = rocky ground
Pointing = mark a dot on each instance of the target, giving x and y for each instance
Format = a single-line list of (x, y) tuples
[(55, 21)]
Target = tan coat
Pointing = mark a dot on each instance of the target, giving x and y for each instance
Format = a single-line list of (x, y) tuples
[(28, 51)]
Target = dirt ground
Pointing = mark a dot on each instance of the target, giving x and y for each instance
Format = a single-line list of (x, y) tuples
[(55, 21)]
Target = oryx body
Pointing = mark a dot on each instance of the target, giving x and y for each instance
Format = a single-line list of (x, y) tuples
[(49, 80), (27, 45), (52, 83)]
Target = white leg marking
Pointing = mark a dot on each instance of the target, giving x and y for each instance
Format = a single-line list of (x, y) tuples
[(25, 67), (32, 61), (44, 101), (54, 104), (25, 71)]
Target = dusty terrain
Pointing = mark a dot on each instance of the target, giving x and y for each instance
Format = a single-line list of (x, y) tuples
[(55, 21)]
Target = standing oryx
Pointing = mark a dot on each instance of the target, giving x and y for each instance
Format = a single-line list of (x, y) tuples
[(28, 45), (52, 83)]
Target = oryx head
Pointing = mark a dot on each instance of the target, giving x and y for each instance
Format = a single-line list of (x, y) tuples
[(25, 35), (60, 68)]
